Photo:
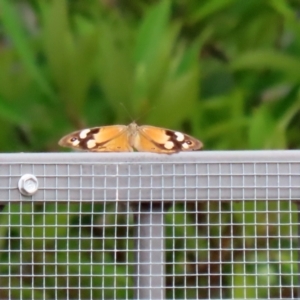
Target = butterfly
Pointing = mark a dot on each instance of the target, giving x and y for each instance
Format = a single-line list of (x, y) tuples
[(121, 138)]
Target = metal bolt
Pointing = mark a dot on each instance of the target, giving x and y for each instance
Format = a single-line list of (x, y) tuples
[(28, 184)]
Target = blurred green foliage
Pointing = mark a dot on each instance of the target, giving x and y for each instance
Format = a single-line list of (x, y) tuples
[(213, 67), (225, 71)]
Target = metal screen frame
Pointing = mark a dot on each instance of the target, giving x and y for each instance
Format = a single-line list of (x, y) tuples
[(149, 182)]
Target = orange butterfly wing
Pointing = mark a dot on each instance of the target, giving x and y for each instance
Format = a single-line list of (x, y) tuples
[(161, 140), (99, 139)]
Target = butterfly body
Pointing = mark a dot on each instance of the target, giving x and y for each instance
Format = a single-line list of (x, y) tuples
[(121, 138)]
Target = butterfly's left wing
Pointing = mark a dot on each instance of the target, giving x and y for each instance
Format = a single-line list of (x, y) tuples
[(99, 139), (161, 140)]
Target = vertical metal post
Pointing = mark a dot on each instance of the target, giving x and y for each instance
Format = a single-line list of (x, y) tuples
[(149, 252)]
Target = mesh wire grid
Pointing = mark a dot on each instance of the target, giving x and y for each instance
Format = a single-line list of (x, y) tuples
[(205, 225)]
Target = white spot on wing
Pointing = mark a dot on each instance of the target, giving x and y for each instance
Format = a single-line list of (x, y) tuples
[(75, 143), (83, 133), (185, 146), (180, 136), (169, 145), (91, 144)]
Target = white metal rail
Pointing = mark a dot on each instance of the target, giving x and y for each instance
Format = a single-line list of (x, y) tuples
[(150, 183)]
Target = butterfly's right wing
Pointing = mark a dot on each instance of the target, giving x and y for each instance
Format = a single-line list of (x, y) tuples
[(99, 139), (162, 140)]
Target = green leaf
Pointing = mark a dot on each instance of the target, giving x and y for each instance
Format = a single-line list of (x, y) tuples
[(151, 32), (269, 59), (71, 57), (209, 8), (15, 30), (264, 132), (11, 112)]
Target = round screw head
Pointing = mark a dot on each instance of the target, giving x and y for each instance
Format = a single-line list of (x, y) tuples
[(28, 184)]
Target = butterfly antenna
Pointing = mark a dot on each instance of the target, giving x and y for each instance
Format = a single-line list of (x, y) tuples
[(145, 113), (127, 111)]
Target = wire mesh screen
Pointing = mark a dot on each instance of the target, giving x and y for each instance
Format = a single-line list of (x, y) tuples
[(137, 226)]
